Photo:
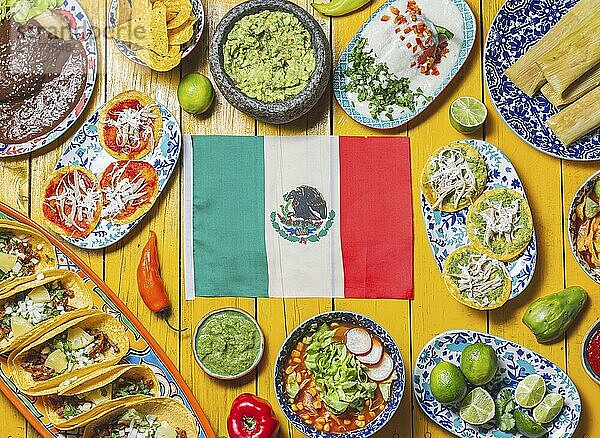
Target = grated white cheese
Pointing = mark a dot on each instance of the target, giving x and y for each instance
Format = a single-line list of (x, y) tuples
[(476, 279), (75, 201), (123, 191), (133, 127), (500, 220), (451, 176)]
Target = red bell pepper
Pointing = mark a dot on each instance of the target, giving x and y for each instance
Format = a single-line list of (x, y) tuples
[(252, 417)]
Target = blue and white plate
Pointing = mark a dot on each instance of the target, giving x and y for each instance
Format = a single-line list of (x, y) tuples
[(351, 318), (85, 150), (126, 48), (515, 363), (517, 27), (448, 231), (339, 78), (82, 30)]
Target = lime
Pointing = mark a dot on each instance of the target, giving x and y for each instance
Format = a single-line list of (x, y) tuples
[(549, 408), (447, 383), (467, 114), (479, 363), (195, 93), (528, 426), (477, 407), (530, 391)]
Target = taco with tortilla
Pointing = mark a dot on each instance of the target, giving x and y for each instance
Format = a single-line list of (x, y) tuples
[(153, 418), (55, 359), (93, 395), (33, 306), (23, 252)]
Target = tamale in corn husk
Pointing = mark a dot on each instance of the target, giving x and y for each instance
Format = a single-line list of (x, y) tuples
[(577, 119), (579, 88)]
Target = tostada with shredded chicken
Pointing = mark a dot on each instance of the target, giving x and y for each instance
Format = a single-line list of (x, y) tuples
[(453, 177), (130, 125), (500, 224), (72, 201), (129, 189), (476, 280)]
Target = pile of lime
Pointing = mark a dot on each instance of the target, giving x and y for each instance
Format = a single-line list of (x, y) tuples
[(478, 366)]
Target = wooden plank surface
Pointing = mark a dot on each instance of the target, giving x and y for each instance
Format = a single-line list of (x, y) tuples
[(550, 185)]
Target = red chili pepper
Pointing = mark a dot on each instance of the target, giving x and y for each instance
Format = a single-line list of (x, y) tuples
[(251, 417), (150, 284)]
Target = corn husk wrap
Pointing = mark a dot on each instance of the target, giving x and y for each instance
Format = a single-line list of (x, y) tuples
[(577, 119), (578, 89)]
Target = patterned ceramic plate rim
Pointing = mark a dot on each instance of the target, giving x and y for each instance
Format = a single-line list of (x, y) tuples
[(125, 49), (499, 105), (85, 33), (470, 32), (390, 347), (170, 128), (473, 333), (594, 274), (118, 309), (531, 248)]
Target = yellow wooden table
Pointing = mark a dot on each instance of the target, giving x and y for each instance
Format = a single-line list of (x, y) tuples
[(549, 182)]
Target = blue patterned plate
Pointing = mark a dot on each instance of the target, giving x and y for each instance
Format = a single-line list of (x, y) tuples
[(186, 49), (515, 363), (518, 26), (81, 29), (85, 150), (448, 231), (339, 78), (352, 318)]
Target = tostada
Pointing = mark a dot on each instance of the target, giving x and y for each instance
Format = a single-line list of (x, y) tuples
[(499, 224), (453, 177)]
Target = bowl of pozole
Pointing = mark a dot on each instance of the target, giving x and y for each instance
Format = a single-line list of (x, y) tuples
[(339, 374)]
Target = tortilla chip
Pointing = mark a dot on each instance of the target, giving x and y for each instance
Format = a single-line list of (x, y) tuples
[(183, 14), (158, 29), (124, 13), (140, 8), (148, 31), (183, 33), (135, 31), (158, 62)]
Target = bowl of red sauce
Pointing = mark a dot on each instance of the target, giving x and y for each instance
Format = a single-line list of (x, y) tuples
[(590, 352)]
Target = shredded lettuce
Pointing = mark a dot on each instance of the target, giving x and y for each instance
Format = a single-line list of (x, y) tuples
[(23, 10), (340, 377)]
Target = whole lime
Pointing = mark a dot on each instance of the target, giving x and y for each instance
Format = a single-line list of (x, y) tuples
[(479, 363), (195, 93), (447, 383)]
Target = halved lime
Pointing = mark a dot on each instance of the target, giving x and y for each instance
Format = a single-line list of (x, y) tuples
[(530, 391), (528, 426), (467, 114), (477, 407), (549, 408)]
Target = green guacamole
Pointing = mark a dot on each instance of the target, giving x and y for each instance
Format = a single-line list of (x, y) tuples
[(227, 343), (269, 56)]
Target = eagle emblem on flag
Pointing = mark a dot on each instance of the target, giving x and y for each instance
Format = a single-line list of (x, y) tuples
[(303, 216)]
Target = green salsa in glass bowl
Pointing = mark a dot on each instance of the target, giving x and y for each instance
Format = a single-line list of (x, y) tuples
[(228, 343)]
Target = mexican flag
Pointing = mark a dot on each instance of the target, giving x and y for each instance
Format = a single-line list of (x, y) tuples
[(309, 216)]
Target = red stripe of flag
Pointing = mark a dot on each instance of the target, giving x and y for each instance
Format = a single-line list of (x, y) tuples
[(376, 217)]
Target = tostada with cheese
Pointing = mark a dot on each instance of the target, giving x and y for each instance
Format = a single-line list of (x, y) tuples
[(476, 280), (23, 252), (154, 418), (130, 125), (72, 201), (453, 177), (33, 306), (91, 396), (500, 224), (72, 349), (129, 189)]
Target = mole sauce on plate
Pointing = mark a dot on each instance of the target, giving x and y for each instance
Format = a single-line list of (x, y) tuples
[(42, 78)]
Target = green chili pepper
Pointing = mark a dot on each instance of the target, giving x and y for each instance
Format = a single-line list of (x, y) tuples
[(335, 8)]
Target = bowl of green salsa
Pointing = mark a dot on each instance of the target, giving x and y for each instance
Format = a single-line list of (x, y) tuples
[(228, 343)]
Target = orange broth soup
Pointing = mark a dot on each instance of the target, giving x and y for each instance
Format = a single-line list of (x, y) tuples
[(309, 404)]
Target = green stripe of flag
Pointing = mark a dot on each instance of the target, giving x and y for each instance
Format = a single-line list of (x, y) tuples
[(229, 217)]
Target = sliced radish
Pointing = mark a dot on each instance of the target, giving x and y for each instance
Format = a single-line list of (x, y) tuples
[(358, 341), (374, 356), (382, 370)]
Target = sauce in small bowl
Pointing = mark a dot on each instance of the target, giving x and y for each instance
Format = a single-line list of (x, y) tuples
[(228, 343), (590, 352)]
